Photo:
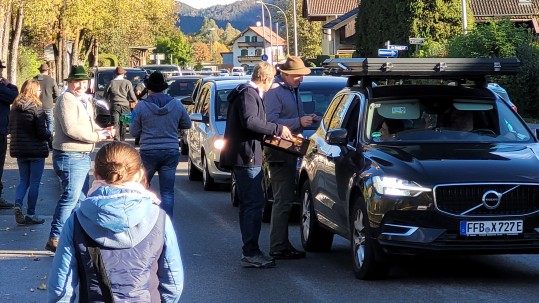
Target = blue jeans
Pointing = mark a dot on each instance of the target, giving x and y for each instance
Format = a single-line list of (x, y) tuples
[(249, 184), (163, 161), (30, 172), (72, 168), (49, 119)]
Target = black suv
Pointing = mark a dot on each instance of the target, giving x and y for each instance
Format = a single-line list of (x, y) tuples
[(100, 78), (408, 167)]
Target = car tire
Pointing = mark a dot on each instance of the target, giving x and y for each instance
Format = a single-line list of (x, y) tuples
[(234, 197), (192, 172), (313, 236), (368, 264), (184, 149), (207, 180)]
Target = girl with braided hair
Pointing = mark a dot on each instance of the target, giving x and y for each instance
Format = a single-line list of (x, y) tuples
[(119, 245)]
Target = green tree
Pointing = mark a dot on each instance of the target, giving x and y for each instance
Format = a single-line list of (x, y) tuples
[(177, 47), (381, 20), (309, 33), (229, 34)]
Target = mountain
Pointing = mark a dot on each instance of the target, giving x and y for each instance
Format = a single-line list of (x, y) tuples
[(240, 14)]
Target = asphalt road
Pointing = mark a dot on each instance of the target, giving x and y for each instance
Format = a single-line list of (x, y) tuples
[(208, 229)]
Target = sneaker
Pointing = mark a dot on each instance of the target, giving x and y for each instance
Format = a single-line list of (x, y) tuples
[(5, 204), (257, 261), (33, 219), (52, 244), (19, 217)]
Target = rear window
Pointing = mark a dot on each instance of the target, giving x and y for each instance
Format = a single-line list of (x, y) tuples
[(105, 76), (181, 87)]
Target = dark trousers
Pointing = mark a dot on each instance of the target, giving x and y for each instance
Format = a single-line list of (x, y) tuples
[(3, 149), (249, 184), (115, 112)]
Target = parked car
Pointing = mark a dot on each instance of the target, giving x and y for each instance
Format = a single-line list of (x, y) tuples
[(238, 71), (168, 70), (223, 73), (430, 186), (316, 71), (205, 138), (189, 102), (315, 93), (101, 76)]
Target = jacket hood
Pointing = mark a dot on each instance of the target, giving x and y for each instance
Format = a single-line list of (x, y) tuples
[(235, 92), (25, 105), (460, 163), (159, 103), (118, 217)]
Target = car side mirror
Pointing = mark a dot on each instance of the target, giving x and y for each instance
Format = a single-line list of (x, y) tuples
[(187, 100), (337, 136), (198, 117)]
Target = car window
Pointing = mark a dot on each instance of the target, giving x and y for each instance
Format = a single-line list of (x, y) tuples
[(181, 87), (200, 100), (221, 104), (205, 104), (331, 109), (340, 113)]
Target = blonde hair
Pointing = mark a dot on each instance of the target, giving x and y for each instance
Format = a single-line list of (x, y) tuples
[(117, 163), (263, 71), (28, 93)]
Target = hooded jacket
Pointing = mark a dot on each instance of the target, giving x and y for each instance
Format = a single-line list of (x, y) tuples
[(119, 218), (156, 120), (245, 128), (29, 133)]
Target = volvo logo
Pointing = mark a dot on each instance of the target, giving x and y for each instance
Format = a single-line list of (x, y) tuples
[(491, 199)]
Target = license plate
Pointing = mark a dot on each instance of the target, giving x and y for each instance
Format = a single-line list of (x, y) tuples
[(491, 228)]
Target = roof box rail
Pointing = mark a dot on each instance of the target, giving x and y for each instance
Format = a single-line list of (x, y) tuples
[(422, 67)]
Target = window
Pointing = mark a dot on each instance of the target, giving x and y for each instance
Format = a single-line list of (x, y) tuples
[(244, 52), (258, 52), (247, 38), (254, 39), (331, 109)]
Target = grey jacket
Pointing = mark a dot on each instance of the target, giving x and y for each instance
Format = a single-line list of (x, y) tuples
[(119, 92), (49, 90), (283, 105)]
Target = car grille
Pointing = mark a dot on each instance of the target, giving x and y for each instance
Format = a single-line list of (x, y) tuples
[(516, 199)]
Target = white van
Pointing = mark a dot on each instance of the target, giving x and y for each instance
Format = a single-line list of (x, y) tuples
[(238, 71)]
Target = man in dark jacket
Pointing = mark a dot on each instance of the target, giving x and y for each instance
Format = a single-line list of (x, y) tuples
[(245, 129), (119, 92), (49, 92), (8, 93)]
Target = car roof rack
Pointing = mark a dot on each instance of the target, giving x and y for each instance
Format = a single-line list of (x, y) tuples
[(367, 70)]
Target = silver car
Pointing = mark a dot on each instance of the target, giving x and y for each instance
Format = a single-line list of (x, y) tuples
[(205, 138)]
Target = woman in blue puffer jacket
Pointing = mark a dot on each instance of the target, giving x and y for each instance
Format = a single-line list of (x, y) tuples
[(119, 245)]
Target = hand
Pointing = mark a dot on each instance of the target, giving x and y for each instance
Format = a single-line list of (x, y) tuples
[(315, 117), (286, 133), (306, 120)]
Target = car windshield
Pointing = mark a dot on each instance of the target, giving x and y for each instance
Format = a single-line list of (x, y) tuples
[(165, 68), (450, 120), (316, 96), (181, 87), (221, 103), (104, 77)]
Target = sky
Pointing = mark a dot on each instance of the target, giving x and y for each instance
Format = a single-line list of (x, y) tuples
[(205, 3)]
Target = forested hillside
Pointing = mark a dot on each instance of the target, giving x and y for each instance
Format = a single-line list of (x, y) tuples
[(240, 14)]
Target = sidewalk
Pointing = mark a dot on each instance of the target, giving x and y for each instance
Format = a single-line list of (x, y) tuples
[(24, 261)]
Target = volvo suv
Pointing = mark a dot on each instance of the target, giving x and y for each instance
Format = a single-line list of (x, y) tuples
[(416, 166)]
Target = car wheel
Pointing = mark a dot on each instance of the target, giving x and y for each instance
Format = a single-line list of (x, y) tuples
[(192, 172), (234, 197), (207, 180), (367, 264), (313, 236), (184, 149)]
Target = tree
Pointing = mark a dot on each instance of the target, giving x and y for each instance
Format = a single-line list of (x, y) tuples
[(176, 47), (309, 33), (201, 52), (381, 20), (229, 34)]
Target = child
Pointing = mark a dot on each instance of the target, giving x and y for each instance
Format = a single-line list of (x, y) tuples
[(119, 245)]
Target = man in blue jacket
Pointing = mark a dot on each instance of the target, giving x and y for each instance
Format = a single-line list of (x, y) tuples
[(156, 120), (245, 129), (8, 93)]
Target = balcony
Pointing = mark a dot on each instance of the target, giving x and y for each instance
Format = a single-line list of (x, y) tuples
[(249, 58), (251, 44)]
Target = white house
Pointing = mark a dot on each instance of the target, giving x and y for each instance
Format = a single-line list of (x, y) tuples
[(253, 43)]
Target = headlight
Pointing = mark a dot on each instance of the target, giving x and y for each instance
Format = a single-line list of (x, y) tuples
[(219, 143), (397, 187)]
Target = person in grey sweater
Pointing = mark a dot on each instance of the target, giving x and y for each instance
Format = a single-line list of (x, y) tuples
[(156, 121), (119, 92)]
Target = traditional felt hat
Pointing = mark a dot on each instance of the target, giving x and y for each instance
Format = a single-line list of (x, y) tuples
[(119, 71), (2, 64), (294, 66), (78, 72), (43, 67), (156, 82)]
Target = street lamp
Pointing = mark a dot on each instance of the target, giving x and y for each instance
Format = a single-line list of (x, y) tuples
[(464, 18), (285, 21), (263, 5), (211, 43), (295, 29)]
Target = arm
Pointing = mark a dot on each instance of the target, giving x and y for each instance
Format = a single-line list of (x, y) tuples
[(249, 115), (55, 90), (106, 91), (63, 276), (274, 106), (185, 121), (8, 92), (40, 126), (131, 93), (135, 128), (170, 271)]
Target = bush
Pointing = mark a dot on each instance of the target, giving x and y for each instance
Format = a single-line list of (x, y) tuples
[(27, 65)]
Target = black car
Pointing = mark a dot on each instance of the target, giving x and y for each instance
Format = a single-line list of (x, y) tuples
[(100, 78), (456, 174)]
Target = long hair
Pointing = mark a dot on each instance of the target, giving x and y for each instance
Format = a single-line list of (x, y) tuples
[(117, 163), (29, 92)]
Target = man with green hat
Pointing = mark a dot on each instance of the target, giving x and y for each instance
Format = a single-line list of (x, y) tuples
[(75, 136)]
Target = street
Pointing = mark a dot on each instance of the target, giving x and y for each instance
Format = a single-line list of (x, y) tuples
[(208, 229)]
